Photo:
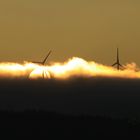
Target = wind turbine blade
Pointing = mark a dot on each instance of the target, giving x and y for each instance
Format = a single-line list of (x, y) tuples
[(120, 65), (46, 57), (114, 64)]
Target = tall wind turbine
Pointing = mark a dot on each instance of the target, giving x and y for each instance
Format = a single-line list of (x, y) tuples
[(117, 63)]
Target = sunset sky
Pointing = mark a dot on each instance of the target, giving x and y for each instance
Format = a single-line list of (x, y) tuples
[(90, 29)]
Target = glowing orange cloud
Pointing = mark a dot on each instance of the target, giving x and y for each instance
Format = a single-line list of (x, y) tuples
[(74, 67), (16, 70), (78, 67)]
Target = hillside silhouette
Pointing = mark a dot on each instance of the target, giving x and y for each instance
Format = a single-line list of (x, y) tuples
[(82, 107), (53, 125)]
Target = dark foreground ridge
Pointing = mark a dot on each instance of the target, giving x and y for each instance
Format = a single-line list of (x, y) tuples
[(55, 125), (77, 102)]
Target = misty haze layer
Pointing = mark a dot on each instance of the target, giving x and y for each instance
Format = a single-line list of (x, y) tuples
[(74, 67)]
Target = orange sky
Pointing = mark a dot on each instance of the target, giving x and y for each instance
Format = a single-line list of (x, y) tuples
[(90, 29)]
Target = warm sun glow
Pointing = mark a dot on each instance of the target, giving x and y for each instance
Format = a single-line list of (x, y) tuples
[(74, 67), (78, 67)]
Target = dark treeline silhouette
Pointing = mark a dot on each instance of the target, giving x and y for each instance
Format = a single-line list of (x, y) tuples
[(54, 125)]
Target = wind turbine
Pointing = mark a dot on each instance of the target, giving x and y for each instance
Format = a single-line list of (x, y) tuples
[(117, 63), (43, 63)]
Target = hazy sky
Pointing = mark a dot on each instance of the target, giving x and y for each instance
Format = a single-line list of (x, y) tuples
[(90, 29)]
